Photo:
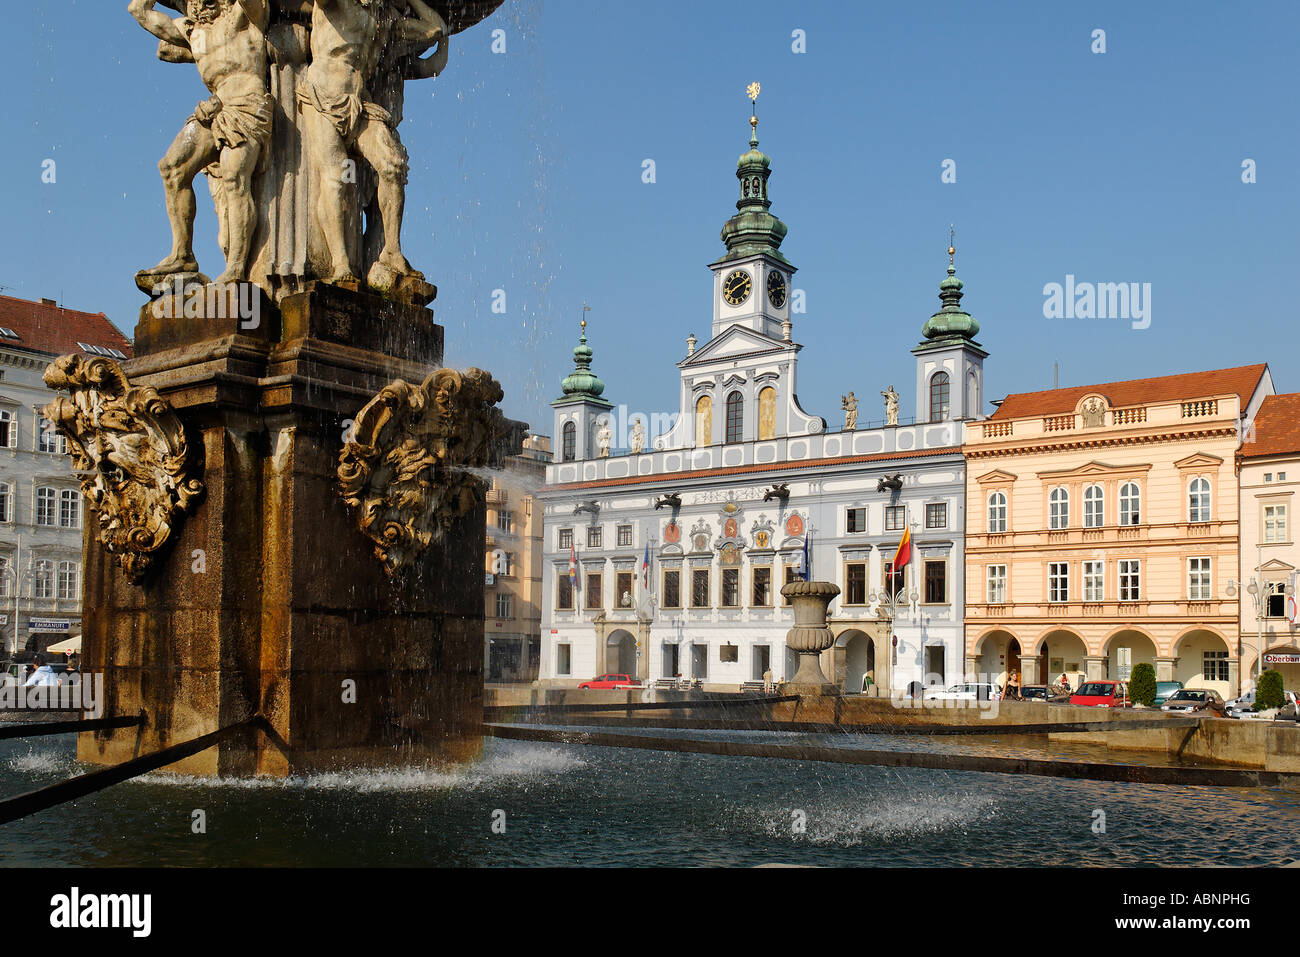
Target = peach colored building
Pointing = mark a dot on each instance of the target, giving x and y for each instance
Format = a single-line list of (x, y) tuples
[(1103, 530), (1269, 477), (513, 568)]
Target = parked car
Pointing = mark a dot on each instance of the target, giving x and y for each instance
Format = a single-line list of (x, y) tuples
[(1244, 707), (1163, 691), (968, 691), (1102, 694), (1193, 699), (611, 682), (1035, 693)]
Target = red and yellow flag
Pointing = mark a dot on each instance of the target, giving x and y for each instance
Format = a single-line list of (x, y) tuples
[(904, 553)]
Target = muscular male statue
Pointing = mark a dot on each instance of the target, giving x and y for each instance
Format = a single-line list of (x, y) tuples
[(341, 119), (229, 132)]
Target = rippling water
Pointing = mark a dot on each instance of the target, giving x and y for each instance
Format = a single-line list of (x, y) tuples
[(582, 805)]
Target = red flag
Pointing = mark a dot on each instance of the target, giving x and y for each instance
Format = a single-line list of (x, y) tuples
[(904, 553)]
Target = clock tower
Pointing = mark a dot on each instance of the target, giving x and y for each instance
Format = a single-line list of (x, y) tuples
[(741, 385), (751, 282)]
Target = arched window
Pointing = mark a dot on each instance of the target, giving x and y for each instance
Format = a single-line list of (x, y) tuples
[(767, 414), (46, 506), (997, 513), (1058, 510), (1130, 503), (69, 508), (1094, 507), (939, 397), (569, 444), (735, 418), (1198, 500), (704, 421), (68, 581)]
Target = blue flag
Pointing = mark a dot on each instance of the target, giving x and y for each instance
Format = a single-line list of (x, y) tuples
[(807, 566)]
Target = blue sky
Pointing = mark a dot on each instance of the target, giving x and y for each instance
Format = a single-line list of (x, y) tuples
[(526, 176)]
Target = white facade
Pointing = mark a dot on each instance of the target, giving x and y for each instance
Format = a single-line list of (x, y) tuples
[(724, 501)]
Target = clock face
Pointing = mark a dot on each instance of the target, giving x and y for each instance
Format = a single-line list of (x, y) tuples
[(776, 289), (736, 287)]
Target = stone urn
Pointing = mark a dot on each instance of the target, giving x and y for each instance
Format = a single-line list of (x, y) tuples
[(810, 636)]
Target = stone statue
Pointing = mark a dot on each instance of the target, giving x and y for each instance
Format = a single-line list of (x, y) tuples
[(849, 403), (638, 437), (1094, 413), (343, 124), (299, 138), (226, 134), (891, 406), (604, 436)]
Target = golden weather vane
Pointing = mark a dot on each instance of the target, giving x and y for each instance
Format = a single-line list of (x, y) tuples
[(754, 89)]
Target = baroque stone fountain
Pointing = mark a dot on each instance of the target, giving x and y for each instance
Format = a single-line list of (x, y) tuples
[(287, 520)]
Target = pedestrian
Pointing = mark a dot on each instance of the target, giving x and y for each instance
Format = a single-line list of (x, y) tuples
[(767, 681), (43, 675), (1013, 686), (1065, 683)]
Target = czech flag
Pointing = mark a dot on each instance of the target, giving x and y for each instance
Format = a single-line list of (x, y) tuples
[(645, 569), (807, 565), (904, 553), (573, 567)]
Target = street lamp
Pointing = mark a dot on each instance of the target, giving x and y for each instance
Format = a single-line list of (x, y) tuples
[(890, 602), (16, 580), (1258, 591)]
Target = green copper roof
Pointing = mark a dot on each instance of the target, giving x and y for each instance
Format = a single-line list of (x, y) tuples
[(753, 229), (582, 383), (950, 321)]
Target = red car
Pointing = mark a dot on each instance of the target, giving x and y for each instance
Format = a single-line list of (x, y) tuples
[(1102, 694), (611, 682)]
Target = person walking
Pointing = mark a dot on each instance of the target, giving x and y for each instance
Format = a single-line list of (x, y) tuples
[(43, 674), (767, 681)]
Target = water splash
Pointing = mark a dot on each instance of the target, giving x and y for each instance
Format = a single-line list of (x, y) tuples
[(43, 762), (505, 766), (855, 825)]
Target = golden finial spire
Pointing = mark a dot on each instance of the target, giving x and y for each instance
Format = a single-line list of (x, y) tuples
[(952, 244), (585, 309)]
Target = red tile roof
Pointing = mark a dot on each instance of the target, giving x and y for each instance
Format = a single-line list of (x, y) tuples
[(1241, 381), (52, 329), (1277, 427)]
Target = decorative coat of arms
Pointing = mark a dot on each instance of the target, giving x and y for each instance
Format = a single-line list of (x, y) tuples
[(128, 446), (406, 469)]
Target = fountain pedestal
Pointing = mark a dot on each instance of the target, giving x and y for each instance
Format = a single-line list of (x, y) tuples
[(269, 598), (810, 635)]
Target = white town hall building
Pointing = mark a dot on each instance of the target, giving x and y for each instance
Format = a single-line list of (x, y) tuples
[(723, 502)]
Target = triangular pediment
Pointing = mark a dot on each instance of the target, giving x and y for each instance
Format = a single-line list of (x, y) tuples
[(1096, 468), (1200, 460), (733, 341), (1276, 565), (996, 477)]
